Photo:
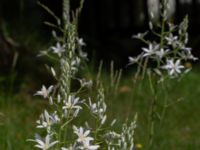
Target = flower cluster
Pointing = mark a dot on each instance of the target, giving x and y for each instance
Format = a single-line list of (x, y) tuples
[(127, 136), (162, 58), (99, 109), (46, 121), (71, 106), (170, 53), (123, 140), (84, 140)]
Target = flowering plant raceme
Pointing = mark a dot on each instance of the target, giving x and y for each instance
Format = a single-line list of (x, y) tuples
[(58, 123), (162, 59), (170, 52)]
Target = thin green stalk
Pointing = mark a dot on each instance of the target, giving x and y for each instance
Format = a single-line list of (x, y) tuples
[(144, 67), (98, 128), (118, 78), (164, 106), (152, 112), (162, 33), (99, 73), (112, 80)]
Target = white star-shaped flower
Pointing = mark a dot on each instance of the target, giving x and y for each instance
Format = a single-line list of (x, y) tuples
[(150, 50), (133, 60), (58, 49), (140, 35), (172, 67), (44, 91), (46, 120), (171, 40), (82, 135), (46, 144), (186, 53), (161, 53), (72, 103)]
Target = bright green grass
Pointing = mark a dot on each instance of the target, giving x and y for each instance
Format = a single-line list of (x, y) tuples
[(17, 121), (179, 130)]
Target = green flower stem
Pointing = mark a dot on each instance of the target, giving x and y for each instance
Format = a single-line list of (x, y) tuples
[(152, 111), (145, 67), (98, 128), (66, 123), (162, 35), (153, 106), (165, 105)]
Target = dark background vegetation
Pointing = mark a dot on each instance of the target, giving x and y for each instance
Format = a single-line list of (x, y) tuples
[(105, 25)]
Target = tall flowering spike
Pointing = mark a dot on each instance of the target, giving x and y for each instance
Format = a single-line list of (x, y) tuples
[(65, 78), (66, 11), (126, 141), (69, 62), (66, 104), (123, 140), (71, 40), (99, 108)]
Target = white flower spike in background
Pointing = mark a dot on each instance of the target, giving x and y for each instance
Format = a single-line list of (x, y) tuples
[(58, 122)]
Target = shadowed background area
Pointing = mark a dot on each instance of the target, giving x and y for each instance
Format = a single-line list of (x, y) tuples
[(105, 25)]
